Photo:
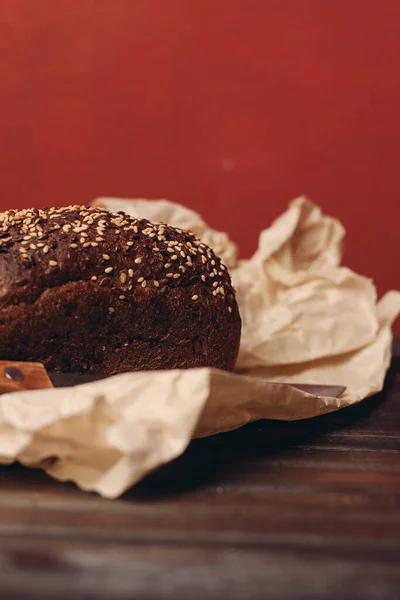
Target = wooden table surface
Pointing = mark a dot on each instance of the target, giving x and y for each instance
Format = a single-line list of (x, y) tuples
[(297, 510)]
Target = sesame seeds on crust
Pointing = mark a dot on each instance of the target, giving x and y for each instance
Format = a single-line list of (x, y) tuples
[(106, 248)]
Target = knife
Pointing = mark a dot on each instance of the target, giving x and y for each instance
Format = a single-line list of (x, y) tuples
[(18, 376)]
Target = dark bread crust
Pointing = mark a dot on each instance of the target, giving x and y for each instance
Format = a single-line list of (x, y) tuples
[(85, 290)]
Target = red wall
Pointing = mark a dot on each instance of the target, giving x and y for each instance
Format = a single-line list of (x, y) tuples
[(230, 106)]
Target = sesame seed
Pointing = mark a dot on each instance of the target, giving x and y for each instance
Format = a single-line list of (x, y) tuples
[(52, 263), (156, 283), (229, 309), (111, 310), (122, 277), (182, 254), (174, 257), (106, 257), (27, 237), (87, 244), (170, 275), (130, 272), (167, 265), (140, 279), (32, 246), (108, 270), (137, 261), (212, 274), (177, 275), (99, 239), (195, 297), (203, 277), (82, 240), (144, 283), (73, 245), (46, 249), (170, 250), (122, 297), (215, 284), (203, 259), (189, 263), (93, 278), (94, 244), (213, 262)]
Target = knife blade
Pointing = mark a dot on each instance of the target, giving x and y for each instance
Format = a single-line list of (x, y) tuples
[(70, 379)]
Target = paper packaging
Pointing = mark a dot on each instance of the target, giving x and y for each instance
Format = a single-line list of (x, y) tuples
[(305, 320)]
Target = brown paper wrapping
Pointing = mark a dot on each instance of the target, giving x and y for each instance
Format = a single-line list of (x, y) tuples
[(306, 319)]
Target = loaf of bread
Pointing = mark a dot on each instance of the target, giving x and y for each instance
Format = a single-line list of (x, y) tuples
[(85, 290)]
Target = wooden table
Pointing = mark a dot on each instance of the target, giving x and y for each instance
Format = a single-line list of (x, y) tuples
[(298, 510)]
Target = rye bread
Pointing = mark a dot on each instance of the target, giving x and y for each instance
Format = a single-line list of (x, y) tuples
[(85, 290)]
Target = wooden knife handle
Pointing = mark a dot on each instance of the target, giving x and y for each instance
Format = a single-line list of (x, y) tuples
[(19, 376)]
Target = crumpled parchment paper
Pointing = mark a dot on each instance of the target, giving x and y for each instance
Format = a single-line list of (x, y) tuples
[(306, 319)]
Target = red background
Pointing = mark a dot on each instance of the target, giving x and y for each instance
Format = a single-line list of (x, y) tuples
[(232, 107)]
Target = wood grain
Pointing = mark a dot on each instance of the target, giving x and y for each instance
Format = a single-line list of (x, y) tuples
[(33, 376), (296, 510)]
